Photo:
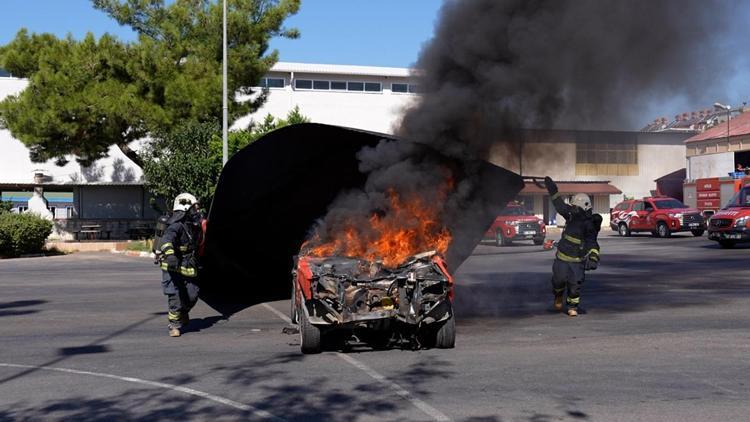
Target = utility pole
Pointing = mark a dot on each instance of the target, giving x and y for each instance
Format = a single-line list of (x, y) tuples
[(225, 106)]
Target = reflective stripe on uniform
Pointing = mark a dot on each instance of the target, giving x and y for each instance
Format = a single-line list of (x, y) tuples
[(555, 196), (572, 239), (560, 290), (166, 245), (164, 266), (183, 248), (187, 272), (169, 251), (567, 258), (574, 300), (594, 254), (173, 316)]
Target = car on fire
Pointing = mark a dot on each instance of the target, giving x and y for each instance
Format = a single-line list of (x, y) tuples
[(335, 297), (661, 216), (516, 223), (731, 224)]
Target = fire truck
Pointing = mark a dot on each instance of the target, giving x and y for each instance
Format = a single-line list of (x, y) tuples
[(726, 201)]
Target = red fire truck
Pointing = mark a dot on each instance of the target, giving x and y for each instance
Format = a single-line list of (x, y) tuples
[(661, 216), (731, 224)]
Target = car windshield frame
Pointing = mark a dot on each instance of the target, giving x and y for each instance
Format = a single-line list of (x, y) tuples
[(515, 212), (658, 203), (740, 199)]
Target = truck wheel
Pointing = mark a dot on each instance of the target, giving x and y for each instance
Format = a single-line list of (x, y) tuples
[(446, 334), (623, 230), (293, 311), (662, 230), (726, 244), (538, 240), (697, 233), (310, 339)]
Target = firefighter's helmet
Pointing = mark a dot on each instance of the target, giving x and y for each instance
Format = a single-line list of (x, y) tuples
[(183, 202), (582, 201)]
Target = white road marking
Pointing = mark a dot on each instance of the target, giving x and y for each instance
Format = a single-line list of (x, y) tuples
[(256, 412), (419, 404)]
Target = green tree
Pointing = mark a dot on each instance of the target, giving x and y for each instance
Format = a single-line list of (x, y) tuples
[(188, 158), (84, 96)]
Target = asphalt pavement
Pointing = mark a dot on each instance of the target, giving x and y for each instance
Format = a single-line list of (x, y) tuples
[(665, 336)]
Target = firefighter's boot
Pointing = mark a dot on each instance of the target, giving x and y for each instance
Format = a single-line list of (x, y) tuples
[(174, 331), (572, 312), (558, 302)]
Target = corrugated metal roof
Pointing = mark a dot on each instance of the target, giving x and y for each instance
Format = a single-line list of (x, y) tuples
[(341, 69), (70, 184)]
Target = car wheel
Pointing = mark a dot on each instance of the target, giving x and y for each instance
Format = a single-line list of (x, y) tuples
[(293, 311), (697, 233), (662, 230), (623, 230), (538, 240), (310, 338), (726, 244), (446, 334)]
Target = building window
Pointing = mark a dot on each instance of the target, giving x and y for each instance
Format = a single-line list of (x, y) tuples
[(322, 85), (400, 88), (303, 84), (373, 87), (613, 154), (338, 85), (355, 86), (68, 212), (414, 89), (272, 82)]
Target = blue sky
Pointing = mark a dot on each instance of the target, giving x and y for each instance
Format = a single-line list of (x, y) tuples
[(363, 32)]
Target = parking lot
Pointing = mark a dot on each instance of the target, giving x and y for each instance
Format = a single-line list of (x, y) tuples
[(665, 336)]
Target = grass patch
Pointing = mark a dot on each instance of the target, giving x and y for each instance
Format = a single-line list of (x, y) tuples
[(140, 245)]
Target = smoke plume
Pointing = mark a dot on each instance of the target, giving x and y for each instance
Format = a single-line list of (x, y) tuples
[(496, 67)]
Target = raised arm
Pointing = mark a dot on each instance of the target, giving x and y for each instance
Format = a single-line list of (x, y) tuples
[(562, 208)]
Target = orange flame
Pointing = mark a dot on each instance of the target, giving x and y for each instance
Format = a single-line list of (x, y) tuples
[(410, 226)]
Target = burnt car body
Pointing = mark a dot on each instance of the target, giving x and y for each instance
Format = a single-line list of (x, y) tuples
[(411, 303)]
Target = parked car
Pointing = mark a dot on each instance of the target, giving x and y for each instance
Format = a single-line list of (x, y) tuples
[(661, 216), (516, 223), (731, 224)]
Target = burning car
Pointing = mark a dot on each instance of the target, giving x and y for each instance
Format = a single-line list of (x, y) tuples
[(409, 303)]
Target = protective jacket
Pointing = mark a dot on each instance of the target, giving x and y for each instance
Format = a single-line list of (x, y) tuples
[(579, 239), (181, 239)]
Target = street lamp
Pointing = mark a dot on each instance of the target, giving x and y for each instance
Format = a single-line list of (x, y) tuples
[(225, 106), (728, 108)]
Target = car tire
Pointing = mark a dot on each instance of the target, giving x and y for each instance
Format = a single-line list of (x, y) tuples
[(445, 337), (623, 230), (293, 310), (310, 336), (538, 240), (727, 244), (662, 230), (697, 233)]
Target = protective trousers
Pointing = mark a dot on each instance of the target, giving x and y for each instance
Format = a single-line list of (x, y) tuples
[(568, 275), (182, 294)]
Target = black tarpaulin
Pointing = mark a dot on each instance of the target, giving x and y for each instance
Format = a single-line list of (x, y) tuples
[(271, 193)]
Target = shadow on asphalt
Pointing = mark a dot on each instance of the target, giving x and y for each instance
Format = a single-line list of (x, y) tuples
[(273, 384), (199, 324), (7, 308)]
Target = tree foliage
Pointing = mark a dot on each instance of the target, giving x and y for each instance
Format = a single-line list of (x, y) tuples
[(189, 158), (84, 96)]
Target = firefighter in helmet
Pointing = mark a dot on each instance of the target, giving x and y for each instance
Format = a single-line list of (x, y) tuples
[(177, 251), (577, 250)]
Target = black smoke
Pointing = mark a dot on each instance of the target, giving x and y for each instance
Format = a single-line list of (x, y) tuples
[(496, 68)]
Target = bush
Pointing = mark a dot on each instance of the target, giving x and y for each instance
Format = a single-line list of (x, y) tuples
[(22, 234)]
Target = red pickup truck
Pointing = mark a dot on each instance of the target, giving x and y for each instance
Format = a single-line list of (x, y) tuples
[(731, 224), (661, 216), (516, 223)]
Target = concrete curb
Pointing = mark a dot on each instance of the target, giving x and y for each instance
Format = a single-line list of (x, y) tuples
[(134, 253)]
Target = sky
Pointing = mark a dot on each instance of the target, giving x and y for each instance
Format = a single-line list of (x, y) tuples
[(359, 32)]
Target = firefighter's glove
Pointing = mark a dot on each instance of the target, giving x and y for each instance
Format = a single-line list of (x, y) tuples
[(173, 263), (591, 264), (551, 185)]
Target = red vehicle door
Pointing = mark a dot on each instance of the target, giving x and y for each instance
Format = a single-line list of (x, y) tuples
[(649, 212), (638, 221)]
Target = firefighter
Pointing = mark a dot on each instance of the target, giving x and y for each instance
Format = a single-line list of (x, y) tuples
[(577, 250), (177, 251)]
